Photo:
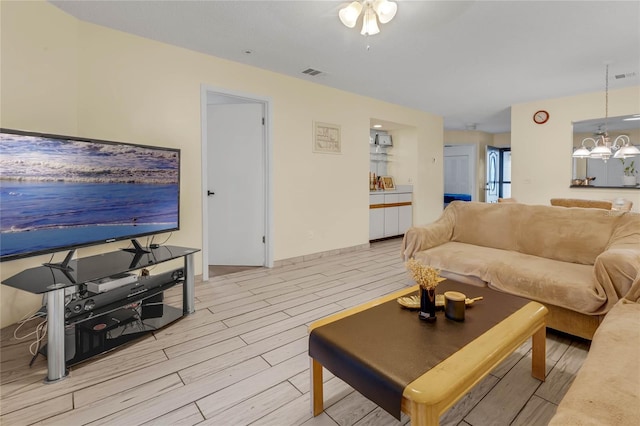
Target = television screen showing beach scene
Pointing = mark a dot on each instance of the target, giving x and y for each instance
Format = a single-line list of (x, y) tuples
[(58, 192)]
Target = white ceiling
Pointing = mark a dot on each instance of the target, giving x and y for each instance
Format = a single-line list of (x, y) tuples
[(468, 61)]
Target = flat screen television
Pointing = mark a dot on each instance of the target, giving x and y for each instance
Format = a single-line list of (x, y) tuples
[(61, 192)]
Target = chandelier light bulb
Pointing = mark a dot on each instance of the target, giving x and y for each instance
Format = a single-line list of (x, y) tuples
[(581, 152), (349, 14), (369, 23), (385, 9), (627, 149), (601, 152)]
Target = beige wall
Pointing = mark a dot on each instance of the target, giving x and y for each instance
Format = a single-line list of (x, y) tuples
[(501, 140), (541, 154), (39, 79), (64, 76), (38, 92)]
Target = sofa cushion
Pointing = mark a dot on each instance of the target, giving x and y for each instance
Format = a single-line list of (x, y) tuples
[(564, 284), (569, 285), (486, 225), (574, 235), (461, 258)]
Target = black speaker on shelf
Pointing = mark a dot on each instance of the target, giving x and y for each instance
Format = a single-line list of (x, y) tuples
[(153, 307)]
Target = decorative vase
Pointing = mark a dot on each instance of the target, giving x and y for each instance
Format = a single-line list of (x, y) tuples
[(629, 180), (427, 304)]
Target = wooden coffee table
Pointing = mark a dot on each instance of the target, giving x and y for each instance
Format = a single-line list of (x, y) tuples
[(434, 391)]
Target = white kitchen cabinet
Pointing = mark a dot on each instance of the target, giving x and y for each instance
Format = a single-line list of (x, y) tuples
[(405, 214), (390, 214), (376, 216), (376, 224)]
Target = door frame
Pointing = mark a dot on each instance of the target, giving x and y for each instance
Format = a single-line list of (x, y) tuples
[(487, 164), (205, 91)]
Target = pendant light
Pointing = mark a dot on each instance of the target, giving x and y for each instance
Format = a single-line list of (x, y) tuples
[(374, 11), (602, 146)]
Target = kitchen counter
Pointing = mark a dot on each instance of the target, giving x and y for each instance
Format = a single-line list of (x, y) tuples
[(400, 189), (601, 187)]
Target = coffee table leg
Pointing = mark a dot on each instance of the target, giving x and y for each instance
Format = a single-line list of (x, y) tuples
[(422, 415), (539, 353), (317, 399)]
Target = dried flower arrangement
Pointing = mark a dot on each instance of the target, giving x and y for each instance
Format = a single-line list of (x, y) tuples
[(426, 276)]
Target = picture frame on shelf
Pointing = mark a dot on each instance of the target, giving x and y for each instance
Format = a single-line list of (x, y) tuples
[(388, 183)]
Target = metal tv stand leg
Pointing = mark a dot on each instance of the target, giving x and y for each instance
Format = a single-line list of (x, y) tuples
[(188, 288), (55, 336)]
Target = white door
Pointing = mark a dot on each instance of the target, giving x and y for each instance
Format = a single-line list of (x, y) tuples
[(235, 175), (456, 174), (459, 170), (492, 187)]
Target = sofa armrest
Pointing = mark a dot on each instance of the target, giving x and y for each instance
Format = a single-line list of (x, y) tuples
[(616, 269), (619, 264), (606, 390), (418, 238)]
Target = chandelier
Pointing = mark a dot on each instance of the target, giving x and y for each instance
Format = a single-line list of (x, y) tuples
[(374, 10), (603, 148)]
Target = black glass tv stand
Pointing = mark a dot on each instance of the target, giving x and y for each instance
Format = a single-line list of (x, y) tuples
[(127, 316)]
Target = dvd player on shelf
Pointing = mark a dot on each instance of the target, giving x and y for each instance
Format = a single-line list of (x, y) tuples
[(110, 283), (88, 301)]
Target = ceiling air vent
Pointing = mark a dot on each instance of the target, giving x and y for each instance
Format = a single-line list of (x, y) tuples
[(311, 71), (627, 75)]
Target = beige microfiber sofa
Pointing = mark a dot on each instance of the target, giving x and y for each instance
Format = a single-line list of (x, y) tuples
[(606, 390), (577, 261)]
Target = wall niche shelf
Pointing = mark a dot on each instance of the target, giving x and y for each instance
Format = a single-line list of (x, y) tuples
[(604, 187)]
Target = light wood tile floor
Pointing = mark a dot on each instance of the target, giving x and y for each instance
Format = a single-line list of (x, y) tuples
[(242, 359)]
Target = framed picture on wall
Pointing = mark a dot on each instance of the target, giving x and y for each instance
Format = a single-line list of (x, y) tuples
[(326, 138), (387, 183)]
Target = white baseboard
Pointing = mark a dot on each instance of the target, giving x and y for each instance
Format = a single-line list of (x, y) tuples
[(308, 257)]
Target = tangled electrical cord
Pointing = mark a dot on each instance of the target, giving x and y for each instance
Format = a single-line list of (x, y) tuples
[(40, 332)]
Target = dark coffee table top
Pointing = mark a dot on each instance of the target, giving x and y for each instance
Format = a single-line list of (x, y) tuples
[(380, 350)]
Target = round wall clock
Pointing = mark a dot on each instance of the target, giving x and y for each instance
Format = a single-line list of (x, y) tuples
[(541, 117)]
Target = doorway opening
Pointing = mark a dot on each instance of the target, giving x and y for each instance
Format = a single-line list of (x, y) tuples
[(236, 180), (498, 184)]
